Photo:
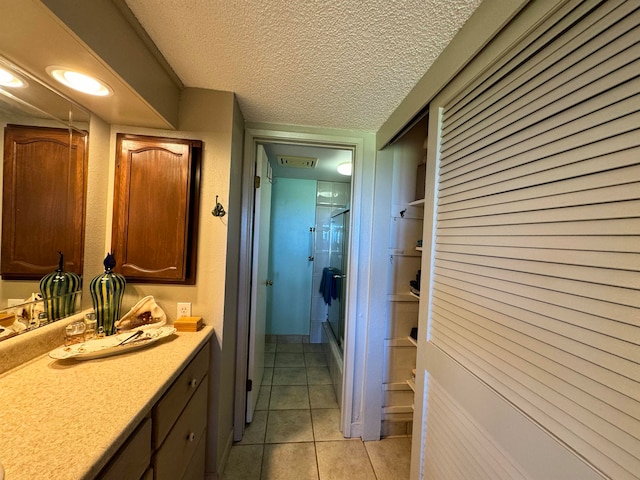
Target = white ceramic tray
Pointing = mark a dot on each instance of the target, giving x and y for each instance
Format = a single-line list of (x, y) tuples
[(108, 346)]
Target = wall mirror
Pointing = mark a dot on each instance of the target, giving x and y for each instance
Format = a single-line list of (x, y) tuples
[(43, 194)]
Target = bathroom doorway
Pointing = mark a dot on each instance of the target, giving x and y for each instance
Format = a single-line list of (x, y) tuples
[(304, 199), (304, 202)]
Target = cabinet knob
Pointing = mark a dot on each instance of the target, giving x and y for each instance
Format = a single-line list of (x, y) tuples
[(193, 382), (191, 437)]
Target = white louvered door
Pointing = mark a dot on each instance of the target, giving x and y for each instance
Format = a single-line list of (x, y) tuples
[(536, 261)]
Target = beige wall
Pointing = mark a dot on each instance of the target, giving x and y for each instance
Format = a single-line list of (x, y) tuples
[(98, 194), (214, 118), (228, 356)]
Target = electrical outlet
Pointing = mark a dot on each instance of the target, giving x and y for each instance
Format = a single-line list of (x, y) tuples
[(184, 309)]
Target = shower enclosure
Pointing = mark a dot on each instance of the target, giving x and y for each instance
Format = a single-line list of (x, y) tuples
[(338, 259)]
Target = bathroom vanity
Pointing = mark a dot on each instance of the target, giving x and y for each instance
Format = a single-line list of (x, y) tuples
[(138, 415)]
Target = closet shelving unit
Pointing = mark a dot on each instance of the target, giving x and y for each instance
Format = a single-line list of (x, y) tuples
[(411, 381), (405, 257)]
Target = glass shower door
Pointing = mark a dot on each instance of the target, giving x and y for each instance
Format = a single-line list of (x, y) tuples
[(338, 260)]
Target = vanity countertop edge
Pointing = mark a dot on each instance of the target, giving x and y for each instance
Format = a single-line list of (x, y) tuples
[(65, 419)]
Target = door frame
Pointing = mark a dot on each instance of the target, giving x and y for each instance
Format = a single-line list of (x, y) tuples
[(259, 277), (253, 136)]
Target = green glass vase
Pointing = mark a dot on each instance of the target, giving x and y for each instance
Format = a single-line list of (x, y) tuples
[(106, 293), (60, 291)]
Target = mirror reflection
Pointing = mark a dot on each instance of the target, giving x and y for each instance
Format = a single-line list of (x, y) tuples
[(24, 315), (43, 201)]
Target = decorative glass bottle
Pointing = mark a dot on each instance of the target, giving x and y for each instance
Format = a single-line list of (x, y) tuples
[(60, 291), (106, 292)]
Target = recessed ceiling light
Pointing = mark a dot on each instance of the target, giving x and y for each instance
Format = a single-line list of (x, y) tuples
[(344, 168), (8, 79), (79, 81)]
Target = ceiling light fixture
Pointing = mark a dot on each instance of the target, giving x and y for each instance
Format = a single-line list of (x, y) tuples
[(8, 79), (79, 81), (344, 168)]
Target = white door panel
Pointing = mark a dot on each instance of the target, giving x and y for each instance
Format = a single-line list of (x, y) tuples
[(259, 282)]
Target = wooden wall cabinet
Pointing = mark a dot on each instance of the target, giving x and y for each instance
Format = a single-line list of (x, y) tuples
[(156, 204), (43, 201)]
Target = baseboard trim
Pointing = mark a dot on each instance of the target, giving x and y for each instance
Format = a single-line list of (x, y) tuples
[(222, 462)]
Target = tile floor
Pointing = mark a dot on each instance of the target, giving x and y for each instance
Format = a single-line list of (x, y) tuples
[(295, 435)]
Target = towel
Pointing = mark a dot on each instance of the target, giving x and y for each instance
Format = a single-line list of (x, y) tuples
[(326, 284), (330, 284)]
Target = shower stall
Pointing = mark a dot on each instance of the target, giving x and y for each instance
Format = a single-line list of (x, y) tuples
[(338, 274), (334, 281)]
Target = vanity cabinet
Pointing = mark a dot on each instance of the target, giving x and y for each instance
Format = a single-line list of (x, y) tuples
[(43, 201), (156, 203), (169, 443), (180, 420), (177, 453), (133, 459)]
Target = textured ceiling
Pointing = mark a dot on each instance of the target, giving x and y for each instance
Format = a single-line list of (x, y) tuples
[(342, 64)]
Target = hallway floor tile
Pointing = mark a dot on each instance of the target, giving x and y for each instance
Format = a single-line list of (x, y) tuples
[(295, 429)]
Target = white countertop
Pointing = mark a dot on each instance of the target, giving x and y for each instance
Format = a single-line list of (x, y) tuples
[(64, 419)]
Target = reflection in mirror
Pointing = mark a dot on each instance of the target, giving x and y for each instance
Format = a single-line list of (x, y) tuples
[(36, 105), (24, 316), (43, 201)]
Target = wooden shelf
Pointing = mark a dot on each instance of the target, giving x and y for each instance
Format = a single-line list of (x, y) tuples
[(418, 249), (398, 252), (412, 384), (398, 342), (396, 387), (413, 342), (414, 295), (400, 297), (395, 409), (417, 203)]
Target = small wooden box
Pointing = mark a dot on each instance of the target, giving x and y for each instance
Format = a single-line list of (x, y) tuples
[(7, 319), (188, 324)]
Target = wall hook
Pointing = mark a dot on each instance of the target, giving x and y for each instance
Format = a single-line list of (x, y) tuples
[(218, 210)]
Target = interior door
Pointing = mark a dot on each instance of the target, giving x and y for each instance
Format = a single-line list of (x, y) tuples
[(259, 280)]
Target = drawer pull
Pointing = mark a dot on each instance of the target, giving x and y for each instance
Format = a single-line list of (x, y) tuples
[(193, 382), (191, 437)]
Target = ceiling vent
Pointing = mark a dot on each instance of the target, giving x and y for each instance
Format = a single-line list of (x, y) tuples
[(297, 162)]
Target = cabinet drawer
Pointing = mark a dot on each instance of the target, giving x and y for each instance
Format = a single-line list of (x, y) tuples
[(177, 451), (133, 458), (168, 409), (195, 469)]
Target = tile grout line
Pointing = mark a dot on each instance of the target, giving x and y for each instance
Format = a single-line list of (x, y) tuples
[(266, 423), (310, 409), (314, 438)]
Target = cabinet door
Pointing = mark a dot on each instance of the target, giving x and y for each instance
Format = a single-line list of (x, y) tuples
[(133, 459), (156, 208), (43, 201)]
